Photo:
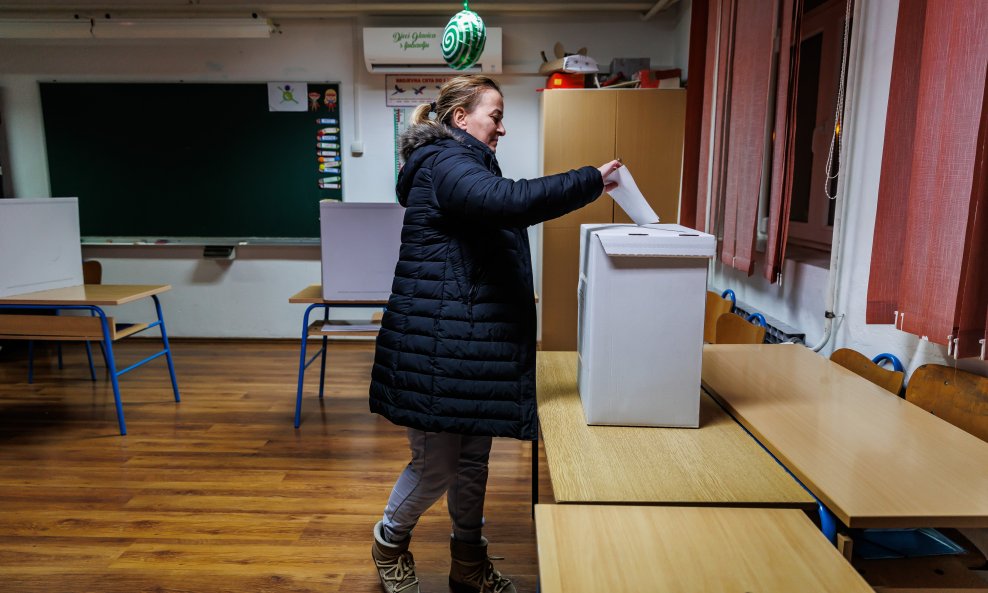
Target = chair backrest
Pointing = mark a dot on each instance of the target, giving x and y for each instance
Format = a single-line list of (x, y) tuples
[(716, 306), (733, 329), (853, 360), (92, 272), (959, 397)]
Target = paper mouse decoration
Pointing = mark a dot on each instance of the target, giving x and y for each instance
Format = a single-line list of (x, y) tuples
[(578, 63)]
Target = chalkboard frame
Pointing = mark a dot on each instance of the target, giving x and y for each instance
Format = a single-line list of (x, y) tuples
[(151, 162)]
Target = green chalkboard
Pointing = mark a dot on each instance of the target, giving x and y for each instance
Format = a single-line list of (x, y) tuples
[(194, 160)]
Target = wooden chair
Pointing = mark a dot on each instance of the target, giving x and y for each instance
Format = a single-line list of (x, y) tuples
[(716, 306), (733, 329), (860, 364), (92, 272), (959, 397)]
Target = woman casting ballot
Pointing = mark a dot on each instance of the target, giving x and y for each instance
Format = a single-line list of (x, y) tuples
[(455, 359)]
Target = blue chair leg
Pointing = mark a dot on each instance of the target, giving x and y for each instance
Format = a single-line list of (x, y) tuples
[(89, 356)]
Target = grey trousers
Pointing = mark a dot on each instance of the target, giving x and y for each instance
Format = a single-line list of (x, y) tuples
[(447, 463)]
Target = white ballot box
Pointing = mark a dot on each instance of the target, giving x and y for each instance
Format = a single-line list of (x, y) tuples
[(642, 294), (360, 243)]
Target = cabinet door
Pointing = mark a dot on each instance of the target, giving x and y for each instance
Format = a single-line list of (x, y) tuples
[(649, 140), (577, 130)]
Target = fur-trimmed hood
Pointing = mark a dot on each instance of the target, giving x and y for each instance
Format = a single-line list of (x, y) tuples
[(419, 143), (420, 135)]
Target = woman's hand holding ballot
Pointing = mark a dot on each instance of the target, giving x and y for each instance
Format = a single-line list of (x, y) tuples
[(607, 169)]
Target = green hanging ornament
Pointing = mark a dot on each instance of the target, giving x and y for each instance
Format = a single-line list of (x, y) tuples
[(464, 39)]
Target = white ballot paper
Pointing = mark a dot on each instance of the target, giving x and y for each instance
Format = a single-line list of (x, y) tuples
[(630, 198)]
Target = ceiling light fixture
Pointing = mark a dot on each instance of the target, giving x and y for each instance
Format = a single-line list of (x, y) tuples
[(136, 28)]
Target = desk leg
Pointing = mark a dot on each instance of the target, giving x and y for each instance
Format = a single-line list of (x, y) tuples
[(168, 350), (112, 366), (535, 473), (322, 365), (30, 362), (828, 523), (301, 362)]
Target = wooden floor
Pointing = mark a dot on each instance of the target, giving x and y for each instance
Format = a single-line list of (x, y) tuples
[(218, 493)]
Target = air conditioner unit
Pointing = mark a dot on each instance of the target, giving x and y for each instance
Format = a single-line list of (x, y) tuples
[(389, 50)]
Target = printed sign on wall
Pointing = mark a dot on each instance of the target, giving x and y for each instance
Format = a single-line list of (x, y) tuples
[(411, 91), (287, 96)]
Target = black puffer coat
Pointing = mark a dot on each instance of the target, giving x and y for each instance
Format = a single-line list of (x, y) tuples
[(456, 351)]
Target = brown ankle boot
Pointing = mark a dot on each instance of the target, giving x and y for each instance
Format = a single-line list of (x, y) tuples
[(472, 570), (395, 565)]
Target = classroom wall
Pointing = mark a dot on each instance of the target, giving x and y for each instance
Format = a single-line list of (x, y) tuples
[(248, 296), (801, 299)]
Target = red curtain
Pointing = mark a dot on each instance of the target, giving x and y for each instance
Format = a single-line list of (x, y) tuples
[(751, 73), (784, 133), (972, 330), (716, 101), (737, 121), (695, 97), (897, 163), (929, 256)]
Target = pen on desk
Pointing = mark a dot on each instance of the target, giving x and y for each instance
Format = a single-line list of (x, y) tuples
[(327, 145), (326, 180), (329, 159), (323, 137), (328, 167), (329, 170), (323, 120), (329, 186), (328, 131), (327, 153)]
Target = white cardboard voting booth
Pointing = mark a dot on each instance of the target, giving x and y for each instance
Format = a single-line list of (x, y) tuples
[(641, 297), (40, 247), (360, 243)]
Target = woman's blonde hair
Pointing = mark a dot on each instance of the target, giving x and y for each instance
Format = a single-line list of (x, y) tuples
[(462, 91)]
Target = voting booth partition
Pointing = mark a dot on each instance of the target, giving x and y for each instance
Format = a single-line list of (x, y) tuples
[(641, 301), (40, 247), (360, 243)]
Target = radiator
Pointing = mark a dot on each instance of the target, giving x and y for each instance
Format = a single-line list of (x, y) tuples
[(776, 332)]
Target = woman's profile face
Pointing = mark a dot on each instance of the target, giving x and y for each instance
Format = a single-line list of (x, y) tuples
[(484, 122)]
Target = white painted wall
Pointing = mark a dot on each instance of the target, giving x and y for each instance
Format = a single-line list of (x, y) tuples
[(801, 300), (248, 296)]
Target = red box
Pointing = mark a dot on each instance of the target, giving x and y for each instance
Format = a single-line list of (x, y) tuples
[(562, 80)]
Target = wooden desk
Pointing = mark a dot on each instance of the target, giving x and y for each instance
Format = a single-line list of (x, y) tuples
[(716, 464), (92, 298), (312, 296), (674, 549), (874, 459)]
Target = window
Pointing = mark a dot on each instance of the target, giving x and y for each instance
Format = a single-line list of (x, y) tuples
[(811, 214)]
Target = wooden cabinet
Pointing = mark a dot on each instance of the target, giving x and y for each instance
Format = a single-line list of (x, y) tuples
[(643, 127)]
